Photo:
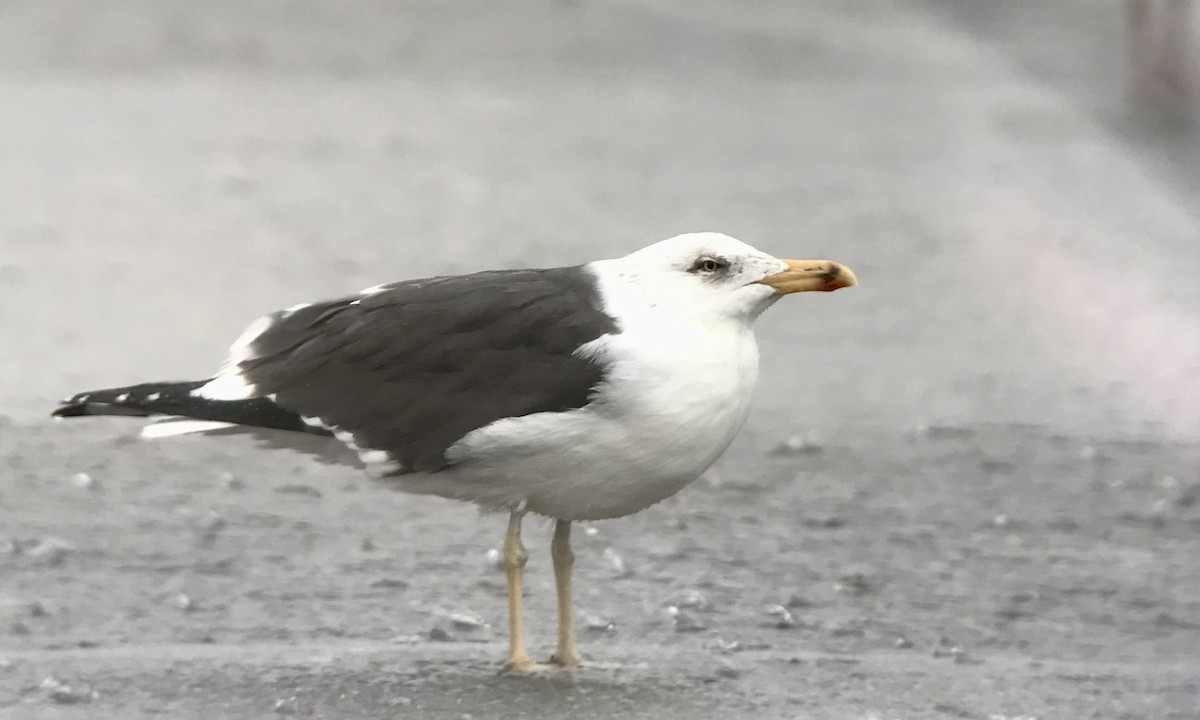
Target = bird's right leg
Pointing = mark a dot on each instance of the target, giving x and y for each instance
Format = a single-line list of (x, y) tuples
[(567, 654), (514, 567)]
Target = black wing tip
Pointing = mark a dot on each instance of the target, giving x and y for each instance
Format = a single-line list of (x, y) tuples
[(74, 406), (96, 402), (85, 409), (69, 409)]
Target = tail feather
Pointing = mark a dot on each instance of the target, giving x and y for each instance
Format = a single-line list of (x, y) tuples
[(178, 399)]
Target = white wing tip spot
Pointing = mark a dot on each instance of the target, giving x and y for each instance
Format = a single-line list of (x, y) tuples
[(122, 397), (316, 422), (378, 462), (228, 385), (375, 457)]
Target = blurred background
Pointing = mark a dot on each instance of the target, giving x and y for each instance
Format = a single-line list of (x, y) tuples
[(1017, 184)]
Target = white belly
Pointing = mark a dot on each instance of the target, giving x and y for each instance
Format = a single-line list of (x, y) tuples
[(670, 406)]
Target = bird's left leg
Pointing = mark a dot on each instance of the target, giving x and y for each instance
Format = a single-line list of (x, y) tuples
[(567, 654), (515, 556)]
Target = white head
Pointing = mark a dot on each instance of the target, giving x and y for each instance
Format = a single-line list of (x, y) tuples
[(711, 275)]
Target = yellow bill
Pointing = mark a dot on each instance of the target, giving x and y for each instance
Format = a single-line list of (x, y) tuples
[(811, 276)]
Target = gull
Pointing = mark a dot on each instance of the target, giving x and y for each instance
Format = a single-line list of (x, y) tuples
[(578, 393)]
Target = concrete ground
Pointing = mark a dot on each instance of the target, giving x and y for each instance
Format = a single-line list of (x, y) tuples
[(997, 511)]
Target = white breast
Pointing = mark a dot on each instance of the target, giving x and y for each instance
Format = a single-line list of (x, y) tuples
[(673, 400)]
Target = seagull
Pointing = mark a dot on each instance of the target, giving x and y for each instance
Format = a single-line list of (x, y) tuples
[(578, 393)]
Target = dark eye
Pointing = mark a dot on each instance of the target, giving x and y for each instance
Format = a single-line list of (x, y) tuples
[(709, 265)]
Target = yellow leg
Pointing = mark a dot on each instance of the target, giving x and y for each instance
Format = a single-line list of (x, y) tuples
[(514, 567), (567, 654)]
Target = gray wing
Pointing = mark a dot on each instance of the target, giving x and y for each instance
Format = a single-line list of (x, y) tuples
[(413, 367)]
